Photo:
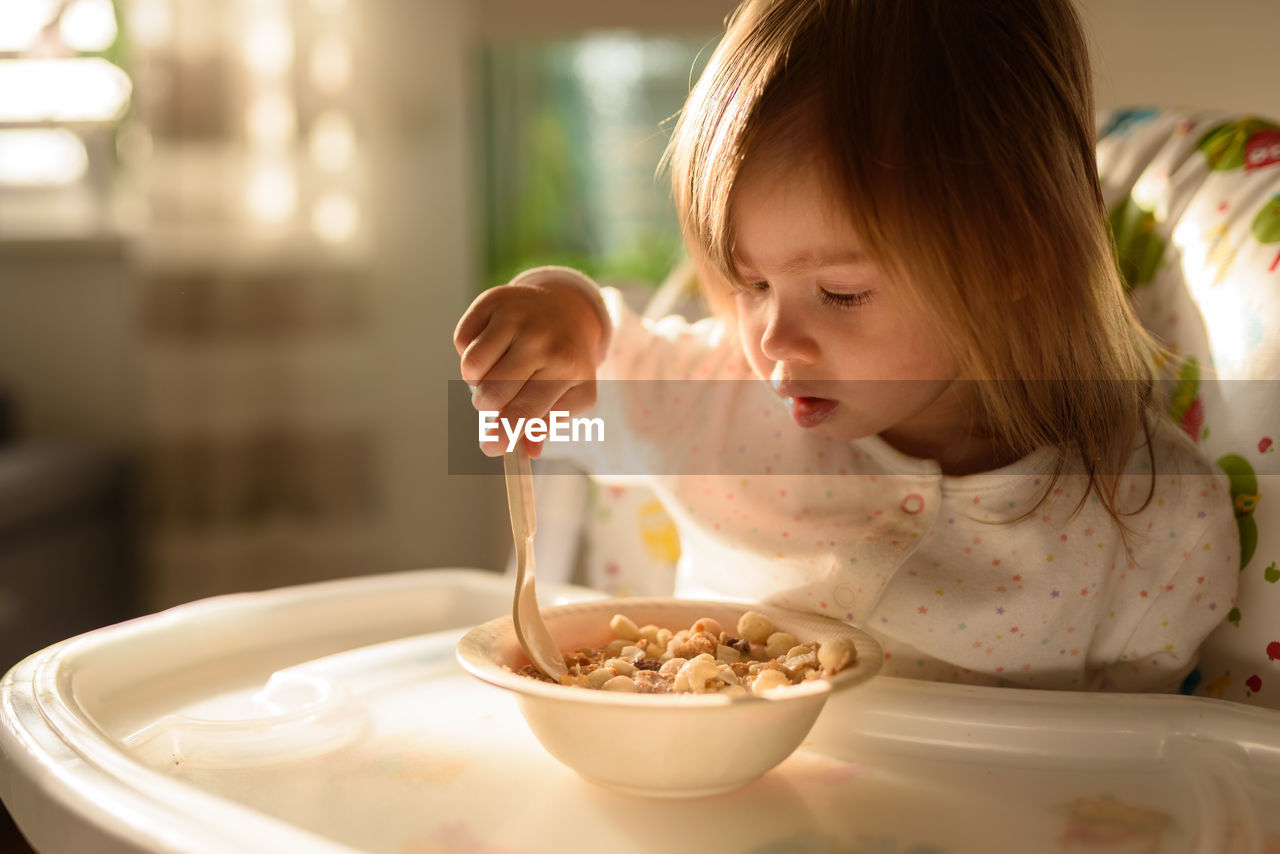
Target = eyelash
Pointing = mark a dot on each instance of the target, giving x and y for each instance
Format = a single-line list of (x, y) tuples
[(846, 300), (856, 300)]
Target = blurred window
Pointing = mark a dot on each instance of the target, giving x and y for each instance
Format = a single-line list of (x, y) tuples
[(63, 92), (573, 132)]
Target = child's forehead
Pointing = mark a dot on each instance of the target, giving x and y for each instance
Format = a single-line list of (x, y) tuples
[(795, 195), (797, 155), (803, 259)]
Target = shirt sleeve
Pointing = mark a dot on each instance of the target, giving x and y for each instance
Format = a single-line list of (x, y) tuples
[(636, 348), (1165, 644)]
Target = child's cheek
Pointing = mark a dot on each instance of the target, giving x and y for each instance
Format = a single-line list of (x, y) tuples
[(749, 335)]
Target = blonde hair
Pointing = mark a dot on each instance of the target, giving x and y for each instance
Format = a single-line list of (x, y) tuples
[(960, 139)]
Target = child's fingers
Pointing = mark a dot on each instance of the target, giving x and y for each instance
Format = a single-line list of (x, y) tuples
[(532, 399), (578, 398), (483, 354), (542, 397), (496, 395), (477, 317), (535, 399), (469, 328), (504, 379)]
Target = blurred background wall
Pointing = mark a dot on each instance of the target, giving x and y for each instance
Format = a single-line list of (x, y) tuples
[(235, 236)]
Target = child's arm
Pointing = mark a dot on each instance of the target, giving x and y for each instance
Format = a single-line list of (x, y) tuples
[(533, 345), (1164, 646)]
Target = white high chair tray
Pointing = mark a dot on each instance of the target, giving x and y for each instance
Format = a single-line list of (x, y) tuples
[(322, 719)]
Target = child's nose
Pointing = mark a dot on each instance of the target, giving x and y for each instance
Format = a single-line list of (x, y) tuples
[(786, 339)]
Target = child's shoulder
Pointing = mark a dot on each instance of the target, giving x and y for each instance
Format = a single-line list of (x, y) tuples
[(1177, 461), (1186, 489), (1175, 452)]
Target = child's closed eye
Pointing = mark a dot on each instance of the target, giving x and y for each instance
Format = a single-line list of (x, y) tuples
[(845, 300)]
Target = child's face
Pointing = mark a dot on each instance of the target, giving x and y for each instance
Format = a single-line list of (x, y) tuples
[(839, 342)]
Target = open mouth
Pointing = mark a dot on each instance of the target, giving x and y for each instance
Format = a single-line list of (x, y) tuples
[(810, 411)]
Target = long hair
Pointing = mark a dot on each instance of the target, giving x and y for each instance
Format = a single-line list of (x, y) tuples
[(959, 136)]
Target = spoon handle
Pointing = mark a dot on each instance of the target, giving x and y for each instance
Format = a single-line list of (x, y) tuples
[(531, 631), (519, 476)]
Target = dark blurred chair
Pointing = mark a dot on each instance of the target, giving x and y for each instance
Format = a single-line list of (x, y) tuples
[(64, 547)]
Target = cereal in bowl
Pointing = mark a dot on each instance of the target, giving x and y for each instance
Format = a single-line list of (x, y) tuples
[(702, 659)]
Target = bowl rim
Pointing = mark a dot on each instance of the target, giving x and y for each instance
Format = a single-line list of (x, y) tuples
[(472, 655)]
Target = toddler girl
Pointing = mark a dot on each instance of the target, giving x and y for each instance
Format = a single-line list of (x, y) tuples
[(924, 404)]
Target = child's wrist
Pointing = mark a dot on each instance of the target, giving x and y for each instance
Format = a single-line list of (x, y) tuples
[(568, 277)]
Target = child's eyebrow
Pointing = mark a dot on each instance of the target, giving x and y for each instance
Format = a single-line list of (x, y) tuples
[(810, 261)]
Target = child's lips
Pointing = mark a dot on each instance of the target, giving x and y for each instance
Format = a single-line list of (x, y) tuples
[(807, 410), (810, 411)]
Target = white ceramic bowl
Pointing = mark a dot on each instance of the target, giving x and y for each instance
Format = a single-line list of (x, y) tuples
[(663, 745)]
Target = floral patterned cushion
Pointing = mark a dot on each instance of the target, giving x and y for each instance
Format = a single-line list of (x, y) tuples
[(1194, 205)]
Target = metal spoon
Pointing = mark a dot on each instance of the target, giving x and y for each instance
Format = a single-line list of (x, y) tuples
[(535, 639)]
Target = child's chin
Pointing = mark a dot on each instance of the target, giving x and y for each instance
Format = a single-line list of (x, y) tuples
[(840, 428)]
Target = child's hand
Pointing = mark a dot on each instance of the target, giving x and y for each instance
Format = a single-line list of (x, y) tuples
[(528, 349)]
